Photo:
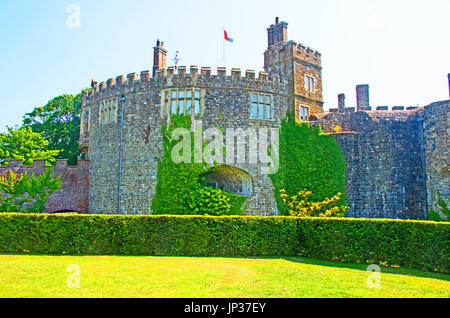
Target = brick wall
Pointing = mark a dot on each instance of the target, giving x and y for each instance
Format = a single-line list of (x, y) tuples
[(74, 192)]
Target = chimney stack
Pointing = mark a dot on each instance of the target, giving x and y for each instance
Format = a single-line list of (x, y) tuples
[(362, 97), (159, 57), (341, 103), (277, 33)]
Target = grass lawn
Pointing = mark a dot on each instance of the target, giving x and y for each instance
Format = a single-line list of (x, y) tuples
[(111, 276)]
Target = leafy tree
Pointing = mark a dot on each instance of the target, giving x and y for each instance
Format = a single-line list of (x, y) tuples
[(59, 121), (25, 144), (24, 193)]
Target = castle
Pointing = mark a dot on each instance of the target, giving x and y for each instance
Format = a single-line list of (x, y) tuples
[(396, 159)]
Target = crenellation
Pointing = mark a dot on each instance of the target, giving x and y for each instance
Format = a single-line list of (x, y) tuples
[(181, 71), (206, 72), (394, 108), (263, 76), (236, 73), (110, 83), (145, 75), (120, 80), (132, 77), (193, 71), (221, 72), (250, 74)]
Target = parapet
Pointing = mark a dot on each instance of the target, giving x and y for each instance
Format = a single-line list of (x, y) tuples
[(308, 54), (40, 165), (180, 76)]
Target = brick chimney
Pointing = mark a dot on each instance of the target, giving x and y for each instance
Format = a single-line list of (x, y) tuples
[(277, 32), (362, 97), (159, 57), (341, 103)]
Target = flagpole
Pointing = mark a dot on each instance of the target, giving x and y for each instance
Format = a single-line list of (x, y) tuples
[(223, 44)]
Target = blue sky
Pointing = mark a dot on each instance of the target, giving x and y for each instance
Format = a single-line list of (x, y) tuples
[(401, 48)]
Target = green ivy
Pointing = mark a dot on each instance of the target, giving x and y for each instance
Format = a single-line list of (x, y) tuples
[(180, 189), (435, 215), (309, 160)]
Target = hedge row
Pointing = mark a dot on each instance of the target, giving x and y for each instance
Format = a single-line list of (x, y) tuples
[(410, 244)]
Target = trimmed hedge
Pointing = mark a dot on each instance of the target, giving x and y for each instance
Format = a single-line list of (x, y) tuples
[(411, 244)]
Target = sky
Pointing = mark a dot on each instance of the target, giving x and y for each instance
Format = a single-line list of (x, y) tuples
[(400, 48)]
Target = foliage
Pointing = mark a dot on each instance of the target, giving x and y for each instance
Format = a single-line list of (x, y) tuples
[(308, 160), (17, 190), (410, 244), (25, 144), (59, 122), (301, 205), (435, 215), (180, 189)]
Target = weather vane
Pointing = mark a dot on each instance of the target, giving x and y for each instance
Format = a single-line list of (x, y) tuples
[(176, 59)]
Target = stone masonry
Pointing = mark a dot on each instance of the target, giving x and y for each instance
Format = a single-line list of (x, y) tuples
[(396, 159)]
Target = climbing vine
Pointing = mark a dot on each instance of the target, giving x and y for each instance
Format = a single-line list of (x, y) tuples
[(181, 187), (309, 160)]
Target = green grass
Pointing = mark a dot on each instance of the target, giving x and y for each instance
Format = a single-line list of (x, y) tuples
[(136, 277)]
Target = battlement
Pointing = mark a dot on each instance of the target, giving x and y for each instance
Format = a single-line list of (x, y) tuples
[(17, 164), (347, 110), (201, 77), (307, 54)]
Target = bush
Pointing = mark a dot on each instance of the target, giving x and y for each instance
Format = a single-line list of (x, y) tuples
[(412, 244)]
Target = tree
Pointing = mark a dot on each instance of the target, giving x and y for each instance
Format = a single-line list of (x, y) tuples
[(24, 193), (59, 122), (25, 144)]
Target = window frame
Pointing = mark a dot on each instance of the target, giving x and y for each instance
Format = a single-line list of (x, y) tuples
[(261, 102), (187, 101), (310, 84)]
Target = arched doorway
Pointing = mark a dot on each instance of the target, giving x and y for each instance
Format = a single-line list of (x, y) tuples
[(230, 179)]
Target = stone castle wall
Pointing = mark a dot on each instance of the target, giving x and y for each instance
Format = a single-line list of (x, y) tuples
[(436, 127), (396, 160), (73, 194), (225, 102)]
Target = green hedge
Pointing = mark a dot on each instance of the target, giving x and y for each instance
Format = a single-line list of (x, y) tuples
[(411, 244)]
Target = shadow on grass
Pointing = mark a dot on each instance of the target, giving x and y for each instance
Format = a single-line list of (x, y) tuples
[(295, 259), (363, 267)]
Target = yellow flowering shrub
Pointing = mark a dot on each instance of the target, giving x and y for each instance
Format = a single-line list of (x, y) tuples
[(302, 206)]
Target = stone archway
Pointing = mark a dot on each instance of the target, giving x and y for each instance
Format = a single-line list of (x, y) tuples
[(230, 179)]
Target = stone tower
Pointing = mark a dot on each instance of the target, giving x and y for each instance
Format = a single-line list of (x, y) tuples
[(159, 57), (300, 65)]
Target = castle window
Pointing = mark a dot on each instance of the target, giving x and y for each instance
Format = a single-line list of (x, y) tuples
[(261, 106), (182, 101), (309, 84), (303, 112), (107, 112)]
